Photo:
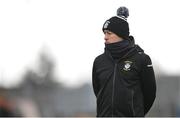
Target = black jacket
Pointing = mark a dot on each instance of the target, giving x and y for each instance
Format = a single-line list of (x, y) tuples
[(125, 87)]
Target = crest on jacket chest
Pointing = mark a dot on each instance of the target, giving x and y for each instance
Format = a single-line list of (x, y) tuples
[(127, 65)]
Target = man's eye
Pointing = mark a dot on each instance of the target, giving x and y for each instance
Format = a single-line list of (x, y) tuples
[(107, 32)]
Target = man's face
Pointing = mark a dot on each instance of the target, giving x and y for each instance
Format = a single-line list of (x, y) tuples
[(111, 37)]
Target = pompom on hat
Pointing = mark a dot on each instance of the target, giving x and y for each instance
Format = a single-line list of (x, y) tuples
[(118, 24)]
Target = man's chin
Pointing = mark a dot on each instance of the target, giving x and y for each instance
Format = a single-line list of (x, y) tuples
[(106, 42)]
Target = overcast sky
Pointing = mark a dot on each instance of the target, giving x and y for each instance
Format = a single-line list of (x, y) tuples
[(71, 32)]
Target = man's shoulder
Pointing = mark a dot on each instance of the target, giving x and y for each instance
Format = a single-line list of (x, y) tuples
[(99, 57), (144, 58), (141, 54)]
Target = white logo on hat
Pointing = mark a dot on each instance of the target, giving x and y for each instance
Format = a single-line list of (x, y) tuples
[(106, 24)]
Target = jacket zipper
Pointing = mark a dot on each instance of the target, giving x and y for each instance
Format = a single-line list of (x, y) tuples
[(132, 104), (114, 78)]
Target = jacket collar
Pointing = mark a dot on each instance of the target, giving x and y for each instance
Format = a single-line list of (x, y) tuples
[(134, 50)]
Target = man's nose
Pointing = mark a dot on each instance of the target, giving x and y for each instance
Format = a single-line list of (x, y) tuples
[(105, 36)]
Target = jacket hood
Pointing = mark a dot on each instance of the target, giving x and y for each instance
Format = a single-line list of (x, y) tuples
[(137, 47), (134, 48), (131, 39)]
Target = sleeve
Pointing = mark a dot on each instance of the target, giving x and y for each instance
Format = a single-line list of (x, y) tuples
[(148, 83), (95, 82)]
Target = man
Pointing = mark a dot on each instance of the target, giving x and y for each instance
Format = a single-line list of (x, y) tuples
[(123, 77)]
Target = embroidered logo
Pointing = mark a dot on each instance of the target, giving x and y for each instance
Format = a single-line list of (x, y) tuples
[(106, 24), (127, 65)]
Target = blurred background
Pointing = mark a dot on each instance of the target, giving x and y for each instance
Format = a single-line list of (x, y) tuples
[(47, 48)]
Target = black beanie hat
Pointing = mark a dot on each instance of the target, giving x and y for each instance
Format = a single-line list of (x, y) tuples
[(118, 24)]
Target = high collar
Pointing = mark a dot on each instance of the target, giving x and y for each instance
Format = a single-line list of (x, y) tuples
[(125, 52), (118, 49)]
